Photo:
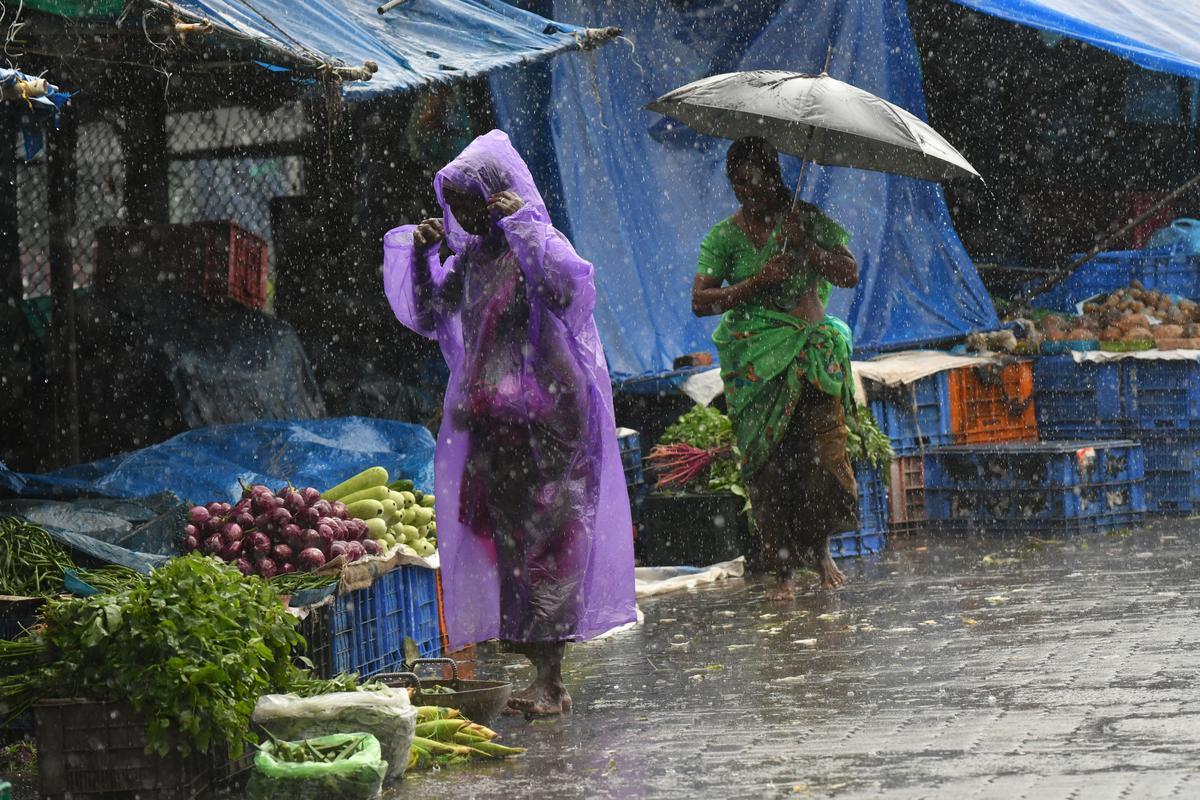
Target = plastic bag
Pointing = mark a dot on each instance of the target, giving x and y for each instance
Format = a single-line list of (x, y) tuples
[(386, 714), (356, 777)]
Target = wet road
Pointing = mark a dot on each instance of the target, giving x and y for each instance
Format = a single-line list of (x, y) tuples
[(1001, 669)]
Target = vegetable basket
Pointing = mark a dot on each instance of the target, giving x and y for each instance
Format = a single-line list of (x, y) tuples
[(480, 701)]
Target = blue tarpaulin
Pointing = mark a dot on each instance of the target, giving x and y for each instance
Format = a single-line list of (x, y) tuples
[(206, 464), (36, 110), (414, 44), (640, 193), (1155, 34)]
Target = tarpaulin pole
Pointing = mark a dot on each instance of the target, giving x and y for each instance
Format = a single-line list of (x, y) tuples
[(64, 382), (145, 143), (11, 288)]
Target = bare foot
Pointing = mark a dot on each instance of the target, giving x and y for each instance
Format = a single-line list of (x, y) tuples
[(831, 576), (540, 699), (782, 591)]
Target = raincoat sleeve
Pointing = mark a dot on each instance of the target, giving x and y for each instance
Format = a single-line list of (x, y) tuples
[(419, 287), (555, 273)]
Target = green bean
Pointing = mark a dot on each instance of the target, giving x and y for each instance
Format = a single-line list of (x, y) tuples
[(31, 562)]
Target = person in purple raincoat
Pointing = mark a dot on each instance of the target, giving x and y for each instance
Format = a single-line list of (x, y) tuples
[(534, 527)]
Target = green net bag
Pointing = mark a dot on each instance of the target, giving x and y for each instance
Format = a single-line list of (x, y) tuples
[(356, 774)]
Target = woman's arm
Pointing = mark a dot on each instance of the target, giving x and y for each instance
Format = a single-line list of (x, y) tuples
[(837, 265), (710, 297)]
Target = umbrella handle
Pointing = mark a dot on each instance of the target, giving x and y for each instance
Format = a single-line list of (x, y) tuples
[(812, 131)]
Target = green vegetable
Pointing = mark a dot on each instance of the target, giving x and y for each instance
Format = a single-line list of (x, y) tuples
[(375, 476), (371, 493), (367, 509), (192, 647), (704, 427), (31, 562), (402, 485), (113, 578), (297, 581), (866, 443)]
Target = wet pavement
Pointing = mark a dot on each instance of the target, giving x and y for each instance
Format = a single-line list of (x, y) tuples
[(946, 669)]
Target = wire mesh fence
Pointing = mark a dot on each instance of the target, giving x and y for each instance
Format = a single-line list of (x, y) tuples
[(223, 164)]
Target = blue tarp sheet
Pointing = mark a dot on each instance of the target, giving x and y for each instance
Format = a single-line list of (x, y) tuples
[(415, 44), (1156, 34), (639, 194), (206, 464)]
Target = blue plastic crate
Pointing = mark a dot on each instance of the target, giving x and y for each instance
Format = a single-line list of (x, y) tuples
[(1164, 269), (631, 460), (1165, 395), (1079, 401), (1034, 465), (915, 416), (871, 536), (1040, 527), (421, 622), (1173, 473)]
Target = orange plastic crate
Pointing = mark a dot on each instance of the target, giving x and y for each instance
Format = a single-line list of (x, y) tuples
[(214, 259), (906, 494), (993, 403)]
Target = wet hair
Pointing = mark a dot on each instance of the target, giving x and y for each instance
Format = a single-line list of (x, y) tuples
[(752, 151)]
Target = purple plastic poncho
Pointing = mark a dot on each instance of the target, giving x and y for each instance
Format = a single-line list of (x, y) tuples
[(533, 519)]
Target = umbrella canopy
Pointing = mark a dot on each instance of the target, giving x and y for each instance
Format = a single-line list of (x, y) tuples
[(817, 118)]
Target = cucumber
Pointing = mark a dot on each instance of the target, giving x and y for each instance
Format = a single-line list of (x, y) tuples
[(424, 517), (410, 534), (409, 498), (365, 509), (427, 501), (373, 493), (409, 515), (374, 476), (402, 485), (391, 514), (397, 498), (376, 527)]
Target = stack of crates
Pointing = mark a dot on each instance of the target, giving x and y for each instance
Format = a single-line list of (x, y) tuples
[(1032, 488), (630, 445), (363, 631), (968, 405), (871, 536), (1155, 402), (1164, 398)]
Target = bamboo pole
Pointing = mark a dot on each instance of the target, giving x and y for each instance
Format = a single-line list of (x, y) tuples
[(64, 382)]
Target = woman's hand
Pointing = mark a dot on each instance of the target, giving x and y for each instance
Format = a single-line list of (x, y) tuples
[(777, 270), (795, 233), (505, 204), (429, 233)]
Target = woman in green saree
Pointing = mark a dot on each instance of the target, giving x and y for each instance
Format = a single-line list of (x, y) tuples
[(785, 363)]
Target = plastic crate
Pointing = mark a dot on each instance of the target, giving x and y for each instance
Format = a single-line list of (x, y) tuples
[(89, 749), (915, 416), (1164, 269), (692, 529), (871, 536), (631, 460), (1034, 465), (992, 403), (214, 259), (1173, 473), (1044, 486), (1087, 400), (1165, 395), (906, 494), (422, 622)]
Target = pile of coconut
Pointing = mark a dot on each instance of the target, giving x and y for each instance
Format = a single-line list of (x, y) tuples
[(1134, 315)]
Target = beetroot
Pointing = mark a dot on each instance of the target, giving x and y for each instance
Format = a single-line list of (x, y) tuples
[(293, 501), (370, 547), (280, 517), (190, 544), (338, 549), (311, 558), (260, 542), (245, 519), (282, 553), (231, 550), (190, 530), (308, 517), (287, 568), (262, 522), (264, 503), (223, 508), (310, 495), (245, 567), (311, 538), (323, 508), (337, 509), (211, 545), (231, 532), (291, 530), (326, 532), (266, 567), (354, 550), (198, 515)]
